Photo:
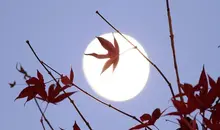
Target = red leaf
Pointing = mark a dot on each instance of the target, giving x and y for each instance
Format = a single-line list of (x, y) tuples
[(40, 77), (180, 106), (25, 92), (211, 82), (211, 125), (98, 56), (116, 55), (173, 114), (203, 83), (64, 88), (145, 117), (106, 44), (156, 114), (65, 80), (215, 116), (71, 75), (51, 92), (139, 126), (57, 89), (113, 53), (186, 123), (107, 65), (218, 86), (116, 48), (41, 91), (151, 119), (32, 81), (62, 97), (75, 126)]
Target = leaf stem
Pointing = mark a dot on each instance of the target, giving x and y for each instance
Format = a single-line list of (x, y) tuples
[(173, 48), (154, 65), (72, 102), (43, 115)]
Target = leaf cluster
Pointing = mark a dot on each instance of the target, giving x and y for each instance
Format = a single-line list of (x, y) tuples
[(203, 97)]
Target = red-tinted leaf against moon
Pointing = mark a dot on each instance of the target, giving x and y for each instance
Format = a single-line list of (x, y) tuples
[(106, 44), (107, 64), (98, 56), (113, 53)]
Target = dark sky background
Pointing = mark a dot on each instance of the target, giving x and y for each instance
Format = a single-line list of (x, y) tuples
[(60, 32)]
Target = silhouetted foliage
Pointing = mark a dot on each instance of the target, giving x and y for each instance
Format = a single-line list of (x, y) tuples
[(191, 102)]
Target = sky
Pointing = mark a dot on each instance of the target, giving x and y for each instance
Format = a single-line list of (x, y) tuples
[(61, 30)]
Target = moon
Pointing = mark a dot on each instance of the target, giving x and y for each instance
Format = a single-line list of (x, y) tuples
[(129, 77)]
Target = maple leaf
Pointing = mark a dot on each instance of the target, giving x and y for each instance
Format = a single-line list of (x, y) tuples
[(35, 87), (211, 125), (68, 80), (75, 126), (187, 124), (215, 116), (206, 96), (198, 97), (54, 95), (148, 119), (113, 53)]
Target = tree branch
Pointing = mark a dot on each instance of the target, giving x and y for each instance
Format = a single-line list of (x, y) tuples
[(154, 65), (71, 101), (173, 49), (42, 113), (98, 100)]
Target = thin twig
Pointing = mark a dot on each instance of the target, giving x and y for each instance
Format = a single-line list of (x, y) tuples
[(42, 123), (154, 65), (156, 127), (43, 115), (51, 68), (173, 48), (50, 81), (100, 101), (172, 122), (71, 101)]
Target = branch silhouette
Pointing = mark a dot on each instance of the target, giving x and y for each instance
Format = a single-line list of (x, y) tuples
[(71, 101), (173, 48), (154, 65), (43, 115), (98, 100)]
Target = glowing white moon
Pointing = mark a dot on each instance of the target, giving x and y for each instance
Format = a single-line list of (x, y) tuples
[(128, 79)]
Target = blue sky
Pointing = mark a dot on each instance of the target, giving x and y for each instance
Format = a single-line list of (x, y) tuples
[(60, 31)]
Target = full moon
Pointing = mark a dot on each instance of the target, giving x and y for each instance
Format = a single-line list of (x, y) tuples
[(129, 76)]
